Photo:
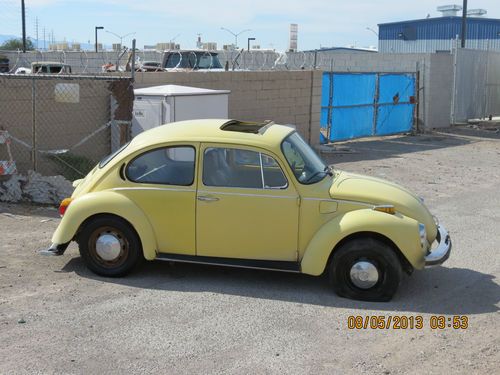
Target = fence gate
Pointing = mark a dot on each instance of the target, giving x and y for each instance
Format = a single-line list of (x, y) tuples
[(357, 105)]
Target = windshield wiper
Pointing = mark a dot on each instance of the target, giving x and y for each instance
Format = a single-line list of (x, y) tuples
[(328, 170)]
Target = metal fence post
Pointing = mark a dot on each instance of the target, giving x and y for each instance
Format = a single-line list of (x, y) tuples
[(375, 103), (454, 92), (33, 124), (132, 65), (416, 109)]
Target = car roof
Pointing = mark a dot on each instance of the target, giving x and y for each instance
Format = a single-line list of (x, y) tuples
[(197, 51), (267, 135), (55, 63)]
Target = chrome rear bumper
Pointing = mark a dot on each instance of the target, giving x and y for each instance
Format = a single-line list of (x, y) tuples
[(441, 253), (54, 249)]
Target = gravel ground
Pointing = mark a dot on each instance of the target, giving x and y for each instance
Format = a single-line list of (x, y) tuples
[(57, 317)]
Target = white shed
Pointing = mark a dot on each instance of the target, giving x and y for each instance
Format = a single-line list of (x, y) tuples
[(158, 105)]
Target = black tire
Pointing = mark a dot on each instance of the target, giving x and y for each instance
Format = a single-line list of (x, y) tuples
[(377, 254), (130, 249)]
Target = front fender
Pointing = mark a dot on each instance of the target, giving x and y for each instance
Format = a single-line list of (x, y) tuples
[(401, 230), (106, 202)]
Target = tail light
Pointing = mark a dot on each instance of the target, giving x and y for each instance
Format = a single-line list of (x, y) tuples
[(64, 206)]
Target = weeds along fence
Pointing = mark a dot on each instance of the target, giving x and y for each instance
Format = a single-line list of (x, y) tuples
[(63, 125)]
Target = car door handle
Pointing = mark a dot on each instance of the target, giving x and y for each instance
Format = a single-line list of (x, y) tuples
[(205, 198)]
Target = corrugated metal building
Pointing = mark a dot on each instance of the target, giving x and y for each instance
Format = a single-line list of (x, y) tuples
[(438, 34)]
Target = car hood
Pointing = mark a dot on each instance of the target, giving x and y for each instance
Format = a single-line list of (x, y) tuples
[(376, 191)]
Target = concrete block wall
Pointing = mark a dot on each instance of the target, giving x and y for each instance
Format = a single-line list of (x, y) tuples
[(286, 97), (435, 70)]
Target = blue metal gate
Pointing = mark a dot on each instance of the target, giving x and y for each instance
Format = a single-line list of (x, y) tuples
[(357, 105)]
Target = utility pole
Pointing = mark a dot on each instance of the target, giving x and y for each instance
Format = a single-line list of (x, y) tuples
[(36, 31), (23, 15), (464, 23), (44, 40)]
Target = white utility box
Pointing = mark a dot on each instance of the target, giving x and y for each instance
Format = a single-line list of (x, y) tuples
[(158, 105)]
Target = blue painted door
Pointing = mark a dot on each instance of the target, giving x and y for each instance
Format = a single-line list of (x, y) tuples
[(357, 105)]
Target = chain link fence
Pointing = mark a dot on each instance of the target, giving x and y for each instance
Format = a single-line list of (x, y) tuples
[(61, 125)]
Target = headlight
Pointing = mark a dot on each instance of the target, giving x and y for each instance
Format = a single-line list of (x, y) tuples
[(423, 235)]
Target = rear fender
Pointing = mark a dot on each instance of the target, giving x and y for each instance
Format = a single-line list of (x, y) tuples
[(401, 230), (106, 202)]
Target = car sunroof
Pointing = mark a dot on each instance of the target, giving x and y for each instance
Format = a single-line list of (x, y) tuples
[(246, 127)]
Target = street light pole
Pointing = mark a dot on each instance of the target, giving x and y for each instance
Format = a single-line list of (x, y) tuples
[(121, 37), (373, 31), (249, 39), (97, 28), (235, 35)]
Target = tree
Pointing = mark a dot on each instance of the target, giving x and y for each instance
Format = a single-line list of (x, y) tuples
[(15, 44)]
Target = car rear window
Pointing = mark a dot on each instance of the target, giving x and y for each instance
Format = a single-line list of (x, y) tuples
[(108, 158), (167, 166)]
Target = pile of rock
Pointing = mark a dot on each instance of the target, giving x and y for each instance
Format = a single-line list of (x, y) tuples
[(35, 188)]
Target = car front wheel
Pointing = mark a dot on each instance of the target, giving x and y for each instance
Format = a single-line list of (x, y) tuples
[(365, 269), (109, 246)]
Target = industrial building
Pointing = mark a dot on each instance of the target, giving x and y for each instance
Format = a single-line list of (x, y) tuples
[(437, 34)]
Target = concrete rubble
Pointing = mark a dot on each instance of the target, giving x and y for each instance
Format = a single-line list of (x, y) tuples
[(35, 188)]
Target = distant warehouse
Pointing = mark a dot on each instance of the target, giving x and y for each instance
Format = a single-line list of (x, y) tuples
[(440, 34)]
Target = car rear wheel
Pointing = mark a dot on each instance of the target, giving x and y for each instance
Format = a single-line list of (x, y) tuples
[(109, 246), (365, 269)]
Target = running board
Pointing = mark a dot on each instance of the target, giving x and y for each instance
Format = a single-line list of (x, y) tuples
[(271, 265)]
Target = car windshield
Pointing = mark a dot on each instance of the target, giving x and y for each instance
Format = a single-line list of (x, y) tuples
[(108, 158), (192, 60), (306, 165)]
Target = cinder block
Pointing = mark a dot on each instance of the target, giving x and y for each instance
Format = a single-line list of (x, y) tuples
[(284, 93), (269, 85)]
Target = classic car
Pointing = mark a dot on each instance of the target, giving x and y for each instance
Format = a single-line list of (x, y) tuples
[(254, 195), (50, 67)]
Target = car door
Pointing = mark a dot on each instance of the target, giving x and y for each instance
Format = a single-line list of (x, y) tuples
[(163, 185), (246, 208)]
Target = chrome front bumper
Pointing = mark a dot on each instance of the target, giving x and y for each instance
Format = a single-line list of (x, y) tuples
[(442, 252)]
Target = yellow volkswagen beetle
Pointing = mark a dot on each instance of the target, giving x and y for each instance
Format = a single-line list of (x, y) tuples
[(225, 192)]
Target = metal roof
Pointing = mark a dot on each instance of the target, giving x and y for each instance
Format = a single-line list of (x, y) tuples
[(341, 49), (440, 28), (176, 90)]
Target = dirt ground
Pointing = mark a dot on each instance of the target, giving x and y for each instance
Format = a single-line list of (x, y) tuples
[(57, 317)]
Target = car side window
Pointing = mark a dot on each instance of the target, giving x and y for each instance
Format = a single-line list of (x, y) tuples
[(228, 167), (166, 165), (273, 175)]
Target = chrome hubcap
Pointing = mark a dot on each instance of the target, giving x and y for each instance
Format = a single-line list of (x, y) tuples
[(364, 274), (108, 246)]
